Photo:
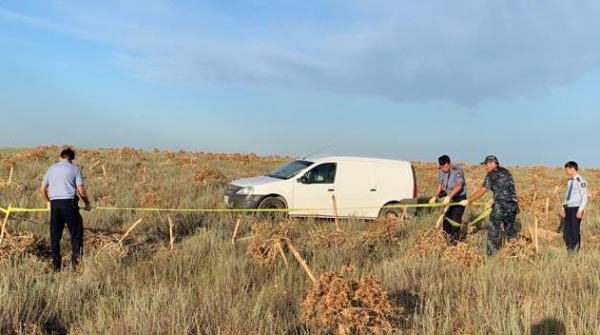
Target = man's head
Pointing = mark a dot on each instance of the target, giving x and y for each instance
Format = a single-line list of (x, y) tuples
[(490, 162), (444, 162), (67, 154), (571, 167)]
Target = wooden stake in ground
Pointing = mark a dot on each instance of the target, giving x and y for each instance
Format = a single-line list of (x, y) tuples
[(93, 166), (4, 222), (280, 248), (403, 216), (300, 260), (547, 203), (441, 218), (129, 230), (171, 236), (535, 235), (10, 175), (120, 242), (237, 225), (335, 212)]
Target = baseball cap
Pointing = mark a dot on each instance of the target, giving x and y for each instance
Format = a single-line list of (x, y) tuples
[(490, 158)]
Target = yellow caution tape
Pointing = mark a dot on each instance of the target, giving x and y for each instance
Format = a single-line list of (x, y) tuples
[(481, 216), (226, 210)]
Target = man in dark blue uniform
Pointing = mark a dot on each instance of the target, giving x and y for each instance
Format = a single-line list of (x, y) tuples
[(451, 187), (61, 188), (505, 208)]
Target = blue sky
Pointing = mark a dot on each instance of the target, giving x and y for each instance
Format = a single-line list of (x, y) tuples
[(384, 78)]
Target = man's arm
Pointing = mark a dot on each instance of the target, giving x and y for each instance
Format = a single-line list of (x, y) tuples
[(83, 194), (438, 189), (584, 198), (478, 194), (44, 192)]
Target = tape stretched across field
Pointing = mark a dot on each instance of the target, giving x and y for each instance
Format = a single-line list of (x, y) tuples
[(482, 216)]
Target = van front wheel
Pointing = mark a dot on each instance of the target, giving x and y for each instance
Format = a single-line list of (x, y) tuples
[(277, 204)]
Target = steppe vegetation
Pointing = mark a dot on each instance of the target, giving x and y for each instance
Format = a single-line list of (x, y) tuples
[(183, 272)]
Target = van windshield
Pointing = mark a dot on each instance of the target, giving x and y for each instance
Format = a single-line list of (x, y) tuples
[(289, 170)]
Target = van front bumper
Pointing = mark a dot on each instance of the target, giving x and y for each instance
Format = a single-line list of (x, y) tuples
[(242, 201)]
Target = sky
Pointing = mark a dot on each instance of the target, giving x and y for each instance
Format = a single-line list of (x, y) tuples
[(398, 79)]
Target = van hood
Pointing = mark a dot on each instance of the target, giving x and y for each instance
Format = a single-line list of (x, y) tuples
[(254, 181)]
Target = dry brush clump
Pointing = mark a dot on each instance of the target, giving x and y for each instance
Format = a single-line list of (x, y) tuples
[(39, 154), (462, 254), (128, 153), (337, 304), (430, 242), (22, 244), (328, 238), (208, 174), (105, 201), (521, 248), (268, 241), (152, 199), (381, 232)]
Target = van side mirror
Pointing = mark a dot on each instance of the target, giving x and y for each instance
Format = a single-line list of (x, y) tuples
[(302, 180)]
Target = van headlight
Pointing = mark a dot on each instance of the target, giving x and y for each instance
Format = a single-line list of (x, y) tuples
[(246, 190)]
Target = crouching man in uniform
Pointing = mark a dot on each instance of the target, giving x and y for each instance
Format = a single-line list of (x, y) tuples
[(505, 208)]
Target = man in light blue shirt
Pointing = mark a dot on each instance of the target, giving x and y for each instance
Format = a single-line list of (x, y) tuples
[(573, 208), (61, 188)]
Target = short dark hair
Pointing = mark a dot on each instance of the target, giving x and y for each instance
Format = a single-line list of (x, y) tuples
[(443, 160), (572, 164), (67, 153)]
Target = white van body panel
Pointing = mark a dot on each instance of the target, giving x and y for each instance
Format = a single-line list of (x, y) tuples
[(362, 186)]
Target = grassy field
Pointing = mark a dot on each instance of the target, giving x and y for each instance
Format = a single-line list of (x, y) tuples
[(398, 277)]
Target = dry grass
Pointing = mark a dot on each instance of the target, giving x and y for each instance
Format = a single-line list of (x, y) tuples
[(180, 273)]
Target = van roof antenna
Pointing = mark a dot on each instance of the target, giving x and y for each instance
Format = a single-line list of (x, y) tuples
[(316, 152)]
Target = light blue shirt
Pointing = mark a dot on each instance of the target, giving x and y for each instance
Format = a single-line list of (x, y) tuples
[(62, 180), (576, 195), (450, 179)]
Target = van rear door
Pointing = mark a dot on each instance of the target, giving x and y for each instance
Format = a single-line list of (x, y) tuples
[(356, 191)]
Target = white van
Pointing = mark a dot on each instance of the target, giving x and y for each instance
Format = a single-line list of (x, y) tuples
[(362, 187)]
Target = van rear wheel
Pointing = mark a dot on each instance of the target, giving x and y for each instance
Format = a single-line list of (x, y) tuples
[(390, 213), (276, 204)]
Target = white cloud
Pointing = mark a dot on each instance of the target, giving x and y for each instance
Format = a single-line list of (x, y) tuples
[(460, 51)]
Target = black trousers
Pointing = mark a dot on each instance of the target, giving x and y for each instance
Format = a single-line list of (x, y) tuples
[(65, 211), (454, 213), (572, 232)]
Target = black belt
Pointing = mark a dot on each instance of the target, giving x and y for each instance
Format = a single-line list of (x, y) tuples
[(76, 199)]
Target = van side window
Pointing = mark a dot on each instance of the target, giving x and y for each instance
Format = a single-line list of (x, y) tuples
[(322, 174)]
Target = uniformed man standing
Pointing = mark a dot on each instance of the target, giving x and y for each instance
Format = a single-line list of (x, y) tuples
[(505, 208), (574, 206), (61, 188), (451, 187)]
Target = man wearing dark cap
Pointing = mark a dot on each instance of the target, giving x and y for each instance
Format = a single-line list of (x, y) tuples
[(61, 188), (505, 208), (451, 187)]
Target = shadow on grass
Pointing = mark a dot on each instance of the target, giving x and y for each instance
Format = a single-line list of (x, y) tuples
[(408, 304), (54, 326), (549, 326)]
